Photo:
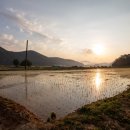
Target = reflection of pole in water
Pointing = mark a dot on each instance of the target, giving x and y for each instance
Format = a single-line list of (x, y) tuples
[(26, 86)]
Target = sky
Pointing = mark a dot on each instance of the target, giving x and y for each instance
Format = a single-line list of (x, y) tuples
[(95, 31)]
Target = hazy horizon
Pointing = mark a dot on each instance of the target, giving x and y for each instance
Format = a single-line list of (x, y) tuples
[(82, 30)]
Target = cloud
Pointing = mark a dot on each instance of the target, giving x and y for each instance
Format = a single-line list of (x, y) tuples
[(10, 42), (7, 39), (87, 51), (23, 23), (33, 27), (7, 27)]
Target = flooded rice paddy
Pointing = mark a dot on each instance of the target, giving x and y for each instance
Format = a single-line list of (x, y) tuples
[(61, 92)]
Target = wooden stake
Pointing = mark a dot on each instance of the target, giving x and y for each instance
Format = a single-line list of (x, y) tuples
[(26, 55)]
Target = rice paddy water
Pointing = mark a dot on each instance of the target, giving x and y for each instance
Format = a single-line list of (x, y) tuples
[(62, 92)]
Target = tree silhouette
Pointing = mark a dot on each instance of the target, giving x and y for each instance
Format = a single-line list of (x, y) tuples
[(16, 62), (24, 62)]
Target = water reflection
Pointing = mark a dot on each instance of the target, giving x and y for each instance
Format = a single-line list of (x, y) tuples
[(62, 92), (98, 80), (26, 85)]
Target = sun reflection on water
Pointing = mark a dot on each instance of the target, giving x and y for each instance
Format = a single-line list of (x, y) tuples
[(98, 80)]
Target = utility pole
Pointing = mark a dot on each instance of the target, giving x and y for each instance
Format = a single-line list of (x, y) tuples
[(26, 55)]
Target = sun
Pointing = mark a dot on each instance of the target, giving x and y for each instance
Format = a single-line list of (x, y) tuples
[(98, 49)]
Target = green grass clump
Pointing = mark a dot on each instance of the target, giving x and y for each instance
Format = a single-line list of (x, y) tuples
[(68, 122), (48, 119), (84, 110)]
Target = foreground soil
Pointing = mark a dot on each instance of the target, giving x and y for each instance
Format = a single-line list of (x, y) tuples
[(107, 114), (16, 117)]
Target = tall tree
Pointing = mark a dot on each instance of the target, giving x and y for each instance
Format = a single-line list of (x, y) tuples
[(16, 62)]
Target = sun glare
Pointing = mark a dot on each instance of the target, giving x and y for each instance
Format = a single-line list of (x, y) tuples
[(98, 49), (98, 80)]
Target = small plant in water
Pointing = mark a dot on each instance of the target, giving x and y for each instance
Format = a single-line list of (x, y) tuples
[(53, 116)]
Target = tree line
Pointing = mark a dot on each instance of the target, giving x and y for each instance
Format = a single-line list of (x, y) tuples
[(17, 63)]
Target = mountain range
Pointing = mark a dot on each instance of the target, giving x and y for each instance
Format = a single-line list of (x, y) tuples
[(37, 59)]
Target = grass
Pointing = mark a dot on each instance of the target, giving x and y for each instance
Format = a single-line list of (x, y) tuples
[(112, 113)]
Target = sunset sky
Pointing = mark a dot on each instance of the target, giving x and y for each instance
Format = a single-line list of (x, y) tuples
[(83, 30)]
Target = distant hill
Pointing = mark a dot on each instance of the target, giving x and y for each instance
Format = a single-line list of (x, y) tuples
[(90, 64), (122, 61), (37, 59), (103, 64)]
